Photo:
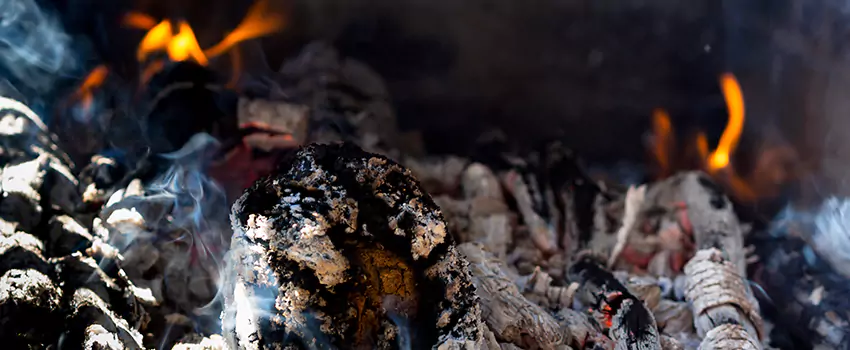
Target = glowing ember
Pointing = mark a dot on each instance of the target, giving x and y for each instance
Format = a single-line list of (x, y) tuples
[(663, 143), (735, 103), (85, 93)]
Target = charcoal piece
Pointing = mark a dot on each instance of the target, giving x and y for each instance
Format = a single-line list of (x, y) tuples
[(196, 342), (61, 187), (88, 309), (632, 325), (585, 333), (123, 299), (342, 248), (23, 135), (100, 178), (66, 236), (22, 251), (29, 309), (21, 184), (98, 338)]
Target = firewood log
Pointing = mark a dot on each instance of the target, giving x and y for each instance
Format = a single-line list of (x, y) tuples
[(510, 316), (717, 285)]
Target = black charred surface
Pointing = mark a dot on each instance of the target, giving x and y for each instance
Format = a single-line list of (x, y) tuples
[(44, 262), (551, 166), (629, 315), (368, 201), (185, 99)]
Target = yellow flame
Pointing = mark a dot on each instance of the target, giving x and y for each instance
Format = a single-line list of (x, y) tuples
[(156, 39), (729, 140), (663, 132), (258, 22), (184, 45)]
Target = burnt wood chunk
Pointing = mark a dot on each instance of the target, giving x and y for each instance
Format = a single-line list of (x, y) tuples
[(632, 325), (343, 248)]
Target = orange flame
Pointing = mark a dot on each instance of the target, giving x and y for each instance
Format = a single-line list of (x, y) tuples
[(258, 22), (735, 103), (85, 92), (702, 145), (663, 142), (155, 40), (139, 21), (184, 46)]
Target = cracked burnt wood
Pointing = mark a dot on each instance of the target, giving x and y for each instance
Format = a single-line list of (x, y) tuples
[(343, 248), (717, 284), (507, 313), (631, 324)]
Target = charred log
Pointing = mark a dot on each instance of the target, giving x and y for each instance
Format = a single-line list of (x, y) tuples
[(343, 248), (632, 325)]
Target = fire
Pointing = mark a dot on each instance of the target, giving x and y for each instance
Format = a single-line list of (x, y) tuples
[(663, 142), (702, 145), (139, 21), (258, 22), (156, 39), (735, 103), (183, 45), (85, 93)]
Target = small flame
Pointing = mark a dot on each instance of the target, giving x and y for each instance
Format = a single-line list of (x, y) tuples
[(258, 22), (735, 103), (85, 93), (663, 142), (139, 21), (155, 40), (702, 145), (184, 45)]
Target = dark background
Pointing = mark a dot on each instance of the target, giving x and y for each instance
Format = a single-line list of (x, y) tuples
[(589, 72)]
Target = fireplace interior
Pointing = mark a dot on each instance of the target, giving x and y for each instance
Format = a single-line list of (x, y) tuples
[(287, 174)]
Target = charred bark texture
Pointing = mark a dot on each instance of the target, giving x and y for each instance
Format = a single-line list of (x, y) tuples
[(343, 248)]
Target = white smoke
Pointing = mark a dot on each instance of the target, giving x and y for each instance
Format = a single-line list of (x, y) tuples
[(35, 50)]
